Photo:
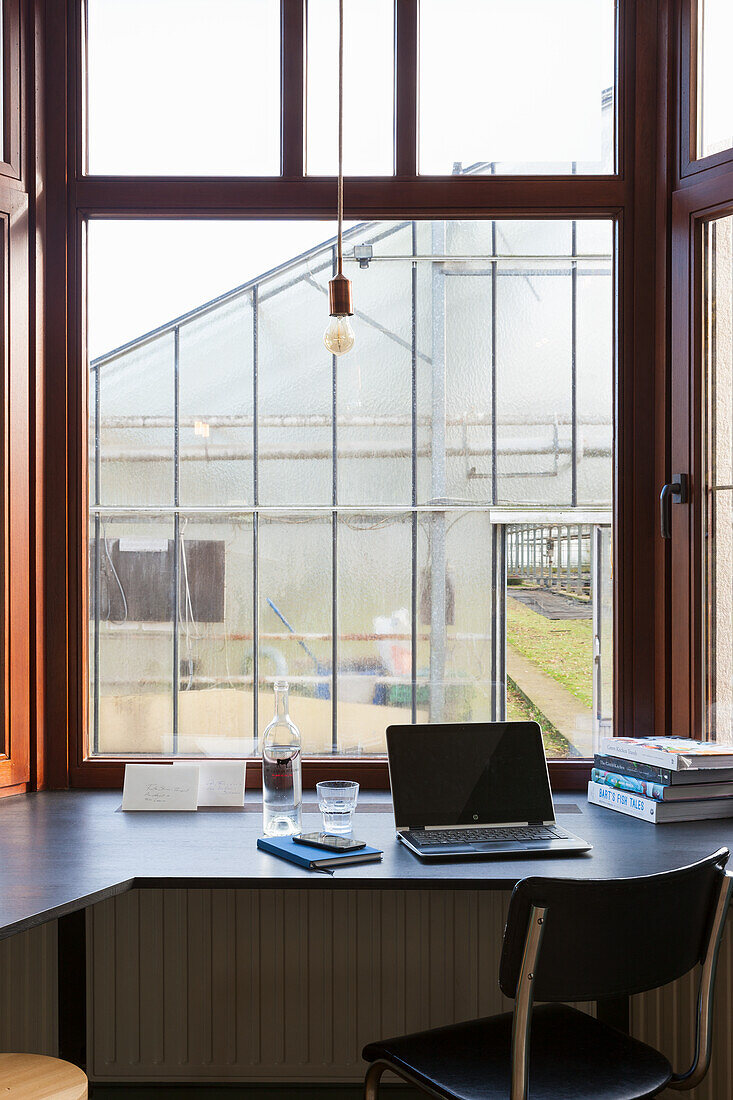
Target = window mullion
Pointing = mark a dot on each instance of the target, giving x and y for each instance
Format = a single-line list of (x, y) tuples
[(406, 86), (292, 75)]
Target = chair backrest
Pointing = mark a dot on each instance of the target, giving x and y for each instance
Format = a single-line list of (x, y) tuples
[(606, 937)]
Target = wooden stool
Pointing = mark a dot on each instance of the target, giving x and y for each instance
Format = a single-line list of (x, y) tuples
[(36, 1077)]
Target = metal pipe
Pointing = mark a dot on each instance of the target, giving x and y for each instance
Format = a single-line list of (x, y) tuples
[(236, 453), (574, 365), (413, 477), (334, 545), (255, 517), (522, 1020), (318, 420), (438, 563), (176, 529)]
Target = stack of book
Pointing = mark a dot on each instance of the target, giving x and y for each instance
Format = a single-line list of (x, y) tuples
[(662, 779)]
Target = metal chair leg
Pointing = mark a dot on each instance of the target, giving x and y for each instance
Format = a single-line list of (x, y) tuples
[(371, 1082)]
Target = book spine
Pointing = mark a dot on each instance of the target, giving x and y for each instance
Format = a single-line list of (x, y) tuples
[(642, 753), (632, 783), (633, 767), (623, 802)]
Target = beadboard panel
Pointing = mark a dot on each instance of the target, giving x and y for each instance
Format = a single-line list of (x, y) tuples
[(666, 1020), (281, 985), (28, 992), (287, 986)]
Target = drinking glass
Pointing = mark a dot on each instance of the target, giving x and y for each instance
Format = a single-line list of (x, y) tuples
[(337, 802)]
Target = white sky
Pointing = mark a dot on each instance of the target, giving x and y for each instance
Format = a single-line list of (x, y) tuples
[(174, 92)]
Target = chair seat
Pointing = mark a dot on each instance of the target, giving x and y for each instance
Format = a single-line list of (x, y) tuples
[(36, 1077), (572, 1056)]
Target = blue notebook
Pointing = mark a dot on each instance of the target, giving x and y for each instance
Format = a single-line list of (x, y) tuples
[(312, 858)]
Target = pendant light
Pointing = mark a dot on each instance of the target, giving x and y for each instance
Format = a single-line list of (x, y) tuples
[(339, 336)]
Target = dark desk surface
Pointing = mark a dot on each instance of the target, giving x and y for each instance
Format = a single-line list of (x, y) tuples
[(61, 851)]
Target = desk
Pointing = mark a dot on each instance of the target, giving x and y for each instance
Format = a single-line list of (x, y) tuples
[(63, 851)]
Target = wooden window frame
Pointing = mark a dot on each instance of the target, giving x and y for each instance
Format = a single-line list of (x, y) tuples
[(702, 190), (630, 197)]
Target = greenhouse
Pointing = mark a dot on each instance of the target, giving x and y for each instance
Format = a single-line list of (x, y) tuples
[(420, 529)]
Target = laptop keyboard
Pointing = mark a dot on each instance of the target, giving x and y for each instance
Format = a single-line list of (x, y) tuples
[(424, 838)]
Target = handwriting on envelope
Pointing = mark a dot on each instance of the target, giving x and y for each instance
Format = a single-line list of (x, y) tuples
[(221, 782), (160, 787)]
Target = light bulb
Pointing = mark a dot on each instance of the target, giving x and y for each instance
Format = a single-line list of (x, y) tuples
[(339, 336)]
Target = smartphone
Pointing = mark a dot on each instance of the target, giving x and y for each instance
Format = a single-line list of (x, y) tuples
[(330, 842)]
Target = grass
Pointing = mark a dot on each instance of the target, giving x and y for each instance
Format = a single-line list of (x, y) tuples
[(561, 648), (519, 708)]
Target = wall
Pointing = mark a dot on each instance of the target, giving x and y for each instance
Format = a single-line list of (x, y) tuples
[(239, 985)]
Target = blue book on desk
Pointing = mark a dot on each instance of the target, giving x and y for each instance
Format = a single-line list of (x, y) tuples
[(312, 858)]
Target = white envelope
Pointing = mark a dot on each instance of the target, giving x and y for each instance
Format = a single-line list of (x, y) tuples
[(221, 782), (160, 787)]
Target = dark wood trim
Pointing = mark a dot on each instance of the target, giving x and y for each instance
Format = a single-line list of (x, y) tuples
[(37, 230), (59, 527), (377, 197), (106, 773), (406, 87), (634, 618), (667, 116), (292, 83)]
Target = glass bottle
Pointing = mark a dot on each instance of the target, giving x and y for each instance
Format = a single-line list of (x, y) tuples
[(281, 775)]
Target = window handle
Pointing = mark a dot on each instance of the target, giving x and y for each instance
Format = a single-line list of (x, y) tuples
[(674, 492)]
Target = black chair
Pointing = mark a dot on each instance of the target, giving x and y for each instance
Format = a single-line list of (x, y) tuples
[(570, 940)]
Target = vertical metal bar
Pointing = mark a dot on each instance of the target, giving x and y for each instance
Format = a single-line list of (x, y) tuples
[(414, 533), (567, 557), (574, 367), (334, 545), (596, 556), (176, 525), (255, 520), (438, 481), (494, 406), (498, 622), (579, 570), (97, 554), (406, 79)]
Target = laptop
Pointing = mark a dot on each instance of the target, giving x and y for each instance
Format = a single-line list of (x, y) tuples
[(474, 789)]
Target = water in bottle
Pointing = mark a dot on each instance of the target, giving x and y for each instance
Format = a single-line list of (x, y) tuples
[(281, 775)]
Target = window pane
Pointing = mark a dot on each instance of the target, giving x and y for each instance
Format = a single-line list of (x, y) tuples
[(131, 606), (368, 88), (183, 87), (215, 635), (451, 525), (719, 496), (715, 77), (517, 86), (374, 629), (295, 621)]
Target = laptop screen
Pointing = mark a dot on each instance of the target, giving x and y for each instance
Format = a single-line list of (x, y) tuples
[(471, 773)]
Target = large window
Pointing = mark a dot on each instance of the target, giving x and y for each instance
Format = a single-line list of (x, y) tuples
[(419, 530), (452, 521)]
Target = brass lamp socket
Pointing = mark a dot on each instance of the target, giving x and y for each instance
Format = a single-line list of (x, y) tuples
[(339, 297)]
